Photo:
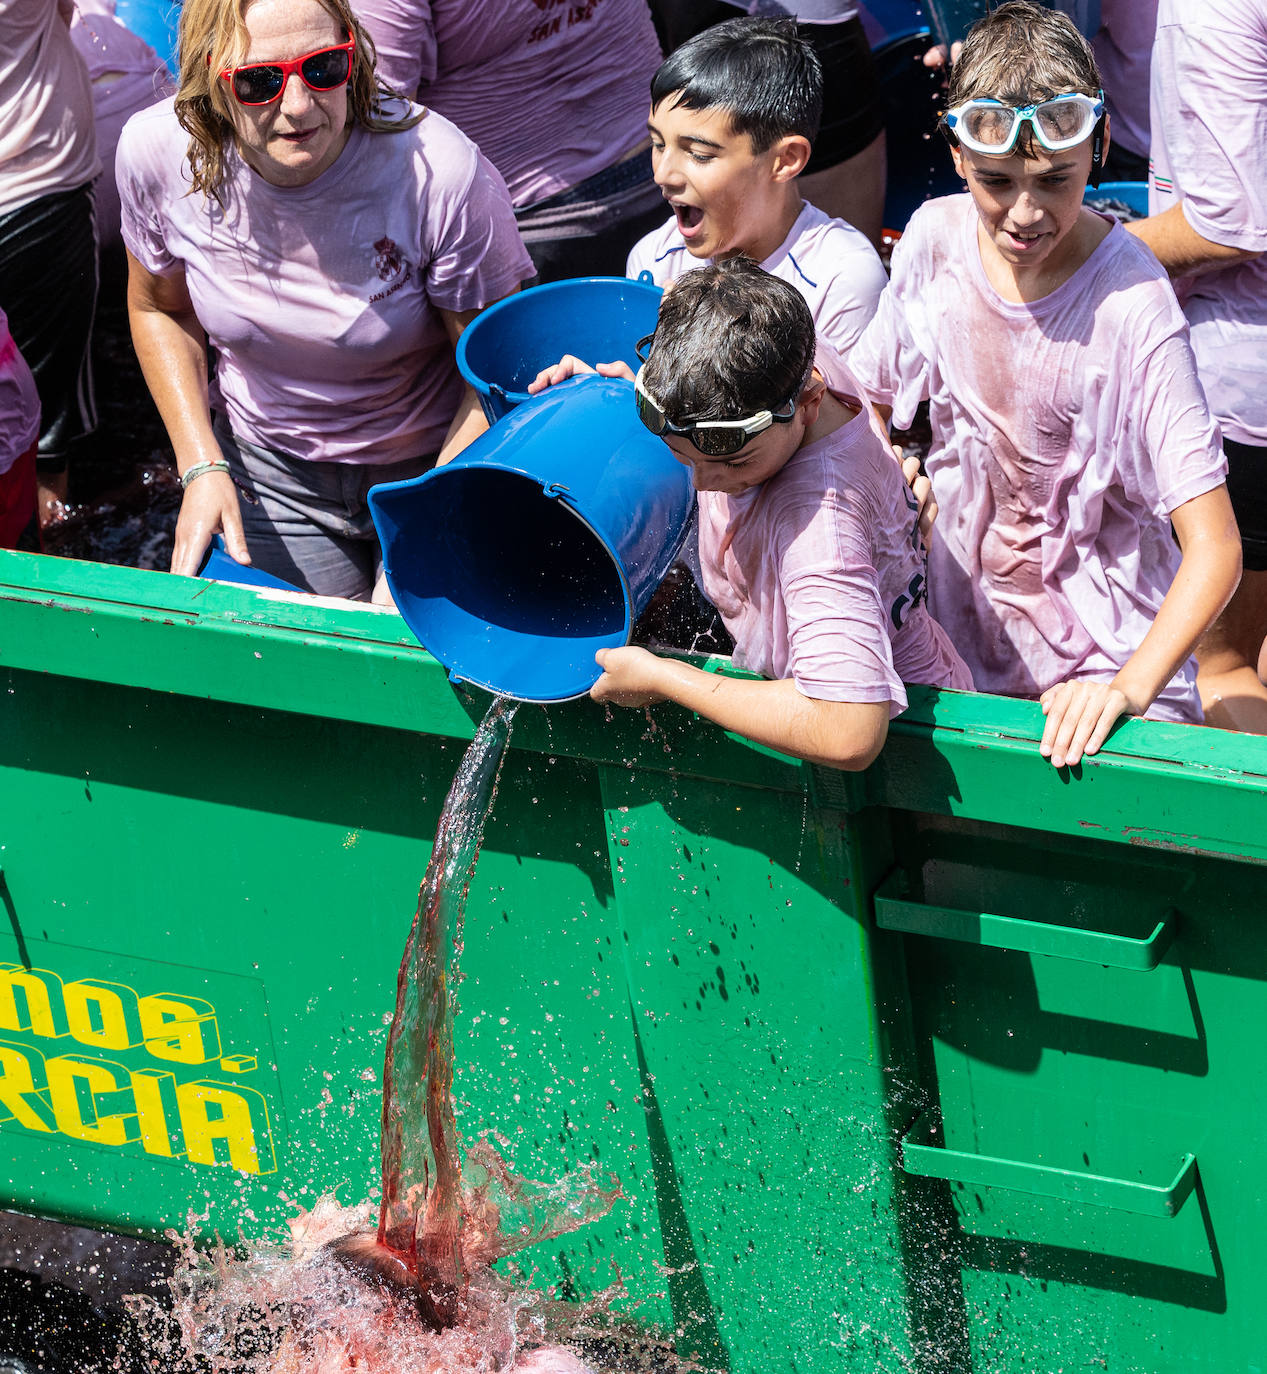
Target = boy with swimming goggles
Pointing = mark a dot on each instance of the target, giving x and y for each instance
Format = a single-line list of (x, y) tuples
[(1069, 428), (733, 114), (808, 537)]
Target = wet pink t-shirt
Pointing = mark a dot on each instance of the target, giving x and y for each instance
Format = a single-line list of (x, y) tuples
[(323, 300), (47, 142), (819, 574), (19, 401), (551, 90), (1065, 431), (1209, 150), (127, 75), (829, 262)]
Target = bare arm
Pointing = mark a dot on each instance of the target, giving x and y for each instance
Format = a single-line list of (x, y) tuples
[(172, 349), (1180, 249), (469, 422), (839, 734), (1081, 714)]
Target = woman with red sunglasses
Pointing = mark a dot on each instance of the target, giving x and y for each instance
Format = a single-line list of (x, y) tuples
[(331, 241)]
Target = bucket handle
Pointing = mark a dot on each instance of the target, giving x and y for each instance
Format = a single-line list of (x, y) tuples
[(894, 910), (1123, 1195)]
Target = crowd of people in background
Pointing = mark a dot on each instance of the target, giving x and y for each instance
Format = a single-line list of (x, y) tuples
[(320, 195)]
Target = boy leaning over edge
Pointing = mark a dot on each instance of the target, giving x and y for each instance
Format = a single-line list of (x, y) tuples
[(1069, 427), (808, 537), (733, 114)]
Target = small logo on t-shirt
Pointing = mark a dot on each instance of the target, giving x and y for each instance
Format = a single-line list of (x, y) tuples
[(387, 259)]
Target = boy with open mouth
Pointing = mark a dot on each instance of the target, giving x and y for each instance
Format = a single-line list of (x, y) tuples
[(734, 112)]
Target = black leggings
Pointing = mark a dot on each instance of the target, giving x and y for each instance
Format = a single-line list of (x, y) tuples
[(48, 289), (1247, 488)]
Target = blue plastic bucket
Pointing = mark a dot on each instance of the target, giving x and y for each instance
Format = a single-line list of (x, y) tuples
[(599, 319), (1132, 194), (221, 566), (539, 544)]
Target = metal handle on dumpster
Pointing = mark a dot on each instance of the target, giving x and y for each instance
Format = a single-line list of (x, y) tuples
[(894, 910), (1152, 1200)]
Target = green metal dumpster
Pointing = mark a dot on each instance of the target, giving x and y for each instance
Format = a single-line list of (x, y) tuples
[(949, 1067)]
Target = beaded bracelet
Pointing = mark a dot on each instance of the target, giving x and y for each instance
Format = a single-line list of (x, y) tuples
[(211, 465)]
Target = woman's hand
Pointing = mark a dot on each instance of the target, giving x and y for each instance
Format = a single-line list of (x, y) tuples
[(630, 677), (1079, 718), (210, 505)]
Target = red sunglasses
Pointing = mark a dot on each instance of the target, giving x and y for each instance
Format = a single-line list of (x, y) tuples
[(261, 83)]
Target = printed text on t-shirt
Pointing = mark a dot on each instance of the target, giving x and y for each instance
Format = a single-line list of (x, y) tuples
[(575, 14)]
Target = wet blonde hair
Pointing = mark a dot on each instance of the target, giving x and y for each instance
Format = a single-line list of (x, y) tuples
[(213, 37), (1022, 53)]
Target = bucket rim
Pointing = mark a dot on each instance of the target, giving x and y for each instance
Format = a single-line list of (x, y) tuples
[(551, 491), (480, 385)]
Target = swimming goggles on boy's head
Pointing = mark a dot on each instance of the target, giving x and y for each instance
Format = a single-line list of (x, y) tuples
[(713, 438), (990, 127)]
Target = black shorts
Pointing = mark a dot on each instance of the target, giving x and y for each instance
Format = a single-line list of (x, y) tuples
[(48, 289), (853, 110), (1247, 488)]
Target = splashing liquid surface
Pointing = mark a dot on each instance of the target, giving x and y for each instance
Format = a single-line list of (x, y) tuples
[(415, 1295)]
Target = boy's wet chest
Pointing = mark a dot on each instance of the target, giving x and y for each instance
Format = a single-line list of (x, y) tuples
[(1014, 393)]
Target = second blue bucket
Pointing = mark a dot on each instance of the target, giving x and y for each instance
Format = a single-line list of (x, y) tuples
[(539, 544), (599, 319)]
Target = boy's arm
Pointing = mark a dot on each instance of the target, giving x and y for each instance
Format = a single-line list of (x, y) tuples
[(839, 734), (1081, 714)]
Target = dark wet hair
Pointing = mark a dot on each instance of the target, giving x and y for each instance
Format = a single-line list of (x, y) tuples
[(761, 71), (730, 340)]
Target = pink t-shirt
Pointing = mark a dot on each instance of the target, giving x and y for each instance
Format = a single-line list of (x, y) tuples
[(829, 262), (19, 401), (127, 75), (819, 574), (1209, 149), (1065, 431), (551, 90), (323, 300), (47, 142)]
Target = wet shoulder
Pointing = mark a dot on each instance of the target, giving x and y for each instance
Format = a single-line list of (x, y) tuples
[(933, 241), (449, 155), (850, 469), (154, 132), (1127, 287), (817, 233)]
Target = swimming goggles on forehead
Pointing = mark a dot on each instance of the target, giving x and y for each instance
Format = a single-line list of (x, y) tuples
[(713, 438), (990, 127), (260, 83)]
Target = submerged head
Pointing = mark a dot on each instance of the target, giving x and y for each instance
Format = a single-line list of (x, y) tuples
[(734, 112), (728, 381), (1027, 128), (433, 1300), (289, 124)]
